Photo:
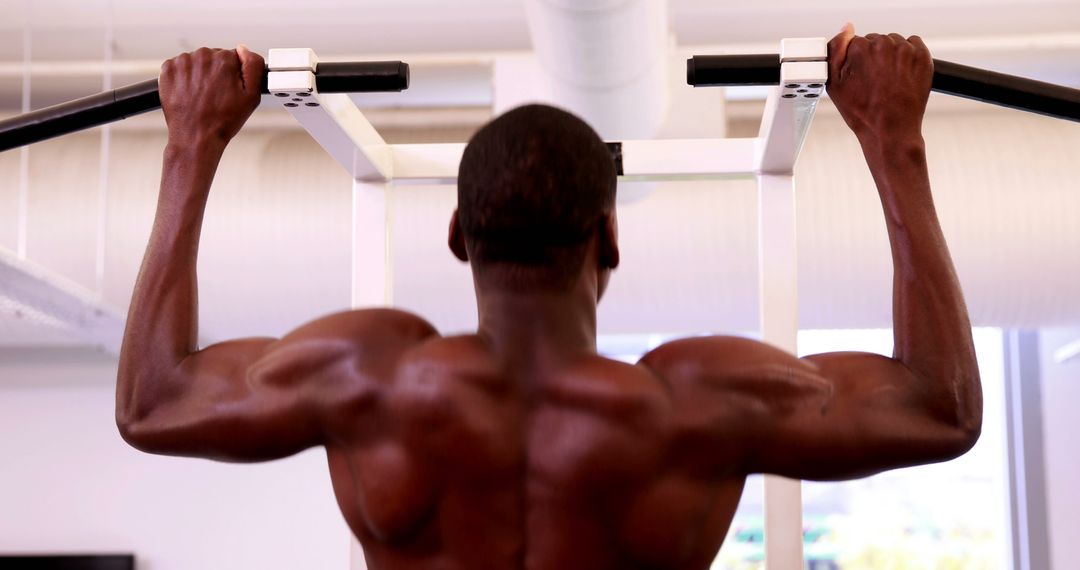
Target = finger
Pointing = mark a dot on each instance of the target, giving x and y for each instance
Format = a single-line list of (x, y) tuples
[(182, 63), (856, 56), (919, 44), (838, 48), (252, 67), (202, 55)]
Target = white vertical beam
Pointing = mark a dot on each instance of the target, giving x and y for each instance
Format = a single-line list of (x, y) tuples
[(372, 278), (779, 327), (100, 253), (788, 114), (23, 215), (1030, 549), (372, 272)]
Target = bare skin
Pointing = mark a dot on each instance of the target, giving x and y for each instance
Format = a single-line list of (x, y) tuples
[(518, 446)]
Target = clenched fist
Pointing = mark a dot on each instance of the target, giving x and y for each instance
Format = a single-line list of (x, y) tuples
[(208, 94), (880, 83)]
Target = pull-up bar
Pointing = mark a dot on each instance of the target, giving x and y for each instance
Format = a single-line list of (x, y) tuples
[(109, 106), (951, 78)]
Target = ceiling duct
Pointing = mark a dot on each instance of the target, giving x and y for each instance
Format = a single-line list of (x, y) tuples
[(605, 60)]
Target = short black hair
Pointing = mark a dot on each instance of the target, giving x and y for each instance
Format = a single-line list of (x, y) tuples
[(533, 186)]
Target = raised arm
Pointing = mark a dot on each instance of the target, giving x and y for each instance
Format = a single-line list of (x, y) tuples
[(843, 415), (242, 400)]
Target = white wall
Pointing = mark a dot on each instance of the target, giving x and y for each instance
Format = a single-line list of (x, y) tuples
[(69, 484), (1061, 423), (276, 243)]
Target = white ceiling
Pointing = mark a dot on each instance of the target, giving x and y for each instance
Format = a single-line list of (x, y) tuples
[(1034, 38), (155, 29)]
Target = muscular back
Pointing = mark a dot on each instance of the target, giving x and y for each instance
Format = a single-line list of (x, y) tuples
[(445, 455), (477, 464)]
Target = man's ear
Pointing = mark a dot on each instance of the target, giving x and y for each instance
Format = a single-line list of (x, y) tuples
[(609, 241), (456, 239)]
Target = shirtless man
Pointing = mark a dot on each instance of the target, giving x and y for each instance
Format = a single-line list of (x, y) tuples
[(518, 446)]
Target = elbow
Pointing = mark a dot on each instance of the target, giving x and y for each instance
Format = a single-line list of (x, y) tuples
[(138, 406), (132, 431), (957, 413), (138, 430), (971, 430), (969, 413), (144, 437), (962, 435)]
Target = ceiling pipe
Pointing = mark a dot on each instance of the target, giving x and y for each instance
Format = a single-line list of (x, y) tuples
[(605, 60)]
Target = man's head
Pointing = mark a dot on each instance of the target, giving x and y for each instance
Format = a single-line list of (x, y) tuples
[(536, 199)]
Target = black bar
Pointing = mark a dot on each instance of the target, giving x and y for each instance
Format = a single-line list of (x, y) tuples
[(951, 78), (1007, 90), (716, 70), (364, 77), (102, 108)]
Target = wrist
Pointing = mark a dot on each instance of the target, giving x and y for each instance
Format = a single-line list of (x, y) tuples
[(195, 147), (895, 147)]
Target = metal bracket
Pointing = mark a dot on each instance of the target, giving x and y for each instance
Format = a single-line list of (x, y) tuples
[(332, 119), (789, 110)]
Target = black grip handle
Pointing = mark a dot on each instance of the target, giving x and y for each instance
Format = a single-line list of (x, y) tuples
[(109, 106), (731, 70), (951, 78)]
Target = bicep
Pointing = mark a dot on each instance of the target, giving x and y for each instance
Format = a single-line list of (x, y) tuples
[(216, 405), (262, 399), (824, 417), (872, 416)]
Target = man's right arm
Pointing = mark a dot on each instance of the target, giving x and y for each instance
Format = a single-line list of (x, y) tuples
[(844, 415)]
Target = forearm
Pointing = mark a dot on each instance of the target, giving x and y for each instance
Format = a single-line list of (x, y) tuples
[(162, 321), (931, 326)]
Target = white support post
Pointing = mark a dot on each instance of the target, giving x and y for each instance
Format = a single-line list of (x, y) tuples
[(372, 273), (372, 270), (779, 327), (788, 114)]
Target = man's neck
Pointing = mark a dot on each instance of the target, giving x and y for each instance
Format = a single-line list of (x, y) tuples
[(537, 328)]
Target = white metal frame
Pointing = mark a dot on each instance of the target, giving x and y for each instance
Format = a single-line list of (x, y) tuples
[(1026, 461), (48, 296), (339, 126)]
